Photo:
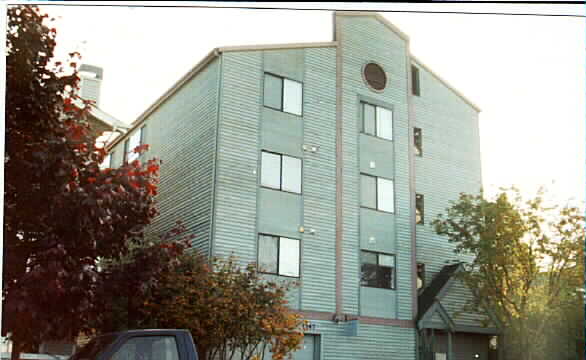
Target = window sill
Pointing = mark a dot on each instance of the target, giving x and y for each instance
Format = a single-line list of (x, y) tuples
[(376, 137), (280, 276), (282, 111), (377, 210), (375, 287), (279, 190)]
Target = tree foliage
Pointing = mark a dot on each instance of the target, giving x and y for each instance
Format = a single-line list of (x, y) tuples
[(232, 311), (62, 212), (528, 263), (125, 283)]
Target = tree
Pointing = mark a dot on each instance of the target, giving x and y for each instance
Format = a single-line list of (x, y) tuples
[(528, 259), (232, 311), (124, 283), (62, 212)]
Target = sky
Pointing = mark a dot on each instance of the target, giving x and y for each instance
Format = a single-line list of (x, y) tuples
[(526, 73)]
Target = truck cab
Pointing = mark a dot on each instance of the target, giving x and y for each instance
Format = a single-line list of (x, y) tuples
[(152, 344)]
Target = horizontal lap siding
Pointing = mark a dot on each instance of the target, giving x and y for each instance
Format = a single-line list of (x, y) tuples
[(182, 133), (450, 165), (319, 185), (376, 342), (365, 39), (456, 304), (237, 158)]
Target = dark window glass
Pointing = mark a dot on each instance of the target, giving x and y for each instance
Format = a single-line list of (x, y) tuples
[(148, 348), (377, 270), (418, 141), (419, 209), (415, 80), (420, 275), (375, 76), (93, 348)]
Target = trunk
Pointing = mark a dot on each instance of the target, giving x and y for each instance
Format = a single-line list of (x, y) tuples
[(15, 355)]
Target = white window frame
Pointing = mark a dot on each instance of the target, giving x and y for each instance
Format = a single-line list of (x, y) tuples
[(107, 163), (131, 143)]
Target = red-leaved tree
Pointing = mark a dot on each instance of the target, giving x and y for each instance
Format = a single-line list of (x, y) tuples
[(62, 212)]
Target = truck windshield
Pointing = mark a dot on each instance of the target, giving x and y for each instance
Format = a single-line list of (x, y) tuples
[(92, 349)]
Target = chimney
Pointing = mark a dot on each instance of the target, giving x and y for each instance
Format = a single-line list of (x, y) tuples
[(90, 82)]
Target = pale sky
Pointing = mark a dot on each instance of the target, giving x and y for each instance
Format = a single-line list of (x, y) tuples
[(526, 73)]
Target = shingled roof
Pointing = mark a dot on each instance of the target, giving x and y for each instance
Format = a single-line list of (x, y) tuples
[(428, 296)]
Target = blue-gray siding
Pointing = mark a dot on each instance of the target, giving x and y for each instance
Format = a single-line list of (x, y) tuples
[(365, 39), (450, 163), (182, 133)]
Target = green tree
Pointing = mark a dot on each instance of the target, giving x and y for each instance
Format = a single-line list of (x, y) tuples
[(232, 311), (62, 212), (528, 261)]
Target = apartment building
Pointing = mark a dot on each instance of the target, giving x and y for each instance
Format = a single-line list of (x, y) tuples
[(324, 163)]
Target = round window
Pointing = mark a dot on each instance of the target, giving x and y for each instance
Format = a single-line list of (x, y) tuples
[(375, 76)]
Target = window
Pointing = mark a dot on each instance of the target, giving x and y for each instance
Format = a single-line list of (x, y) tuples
[(283, 94), (375, 76), (278, 255), (280, 172), (377, 121), (418, 141), (415, 80), (131, 143), (377, 193), (107, 163), (148, 347), (420, 276), (440, 356), (419, 209), (377, 270)]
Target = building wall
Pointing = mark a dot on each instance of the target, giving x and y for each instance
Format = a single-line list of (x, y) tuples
[(455, 303), (362, 40), (450, 163), (182, 133), (371, 342), (464, 346), (244, 208)]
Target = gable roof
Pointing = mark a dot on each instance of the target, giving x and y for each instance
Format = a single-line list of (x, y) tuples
[(216, 52), (430, 294)]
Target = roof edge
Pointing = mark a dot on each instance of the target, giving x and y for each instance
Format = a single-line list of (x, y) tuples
[(277, 46), (443, 81), (167, 94), (377, 16)]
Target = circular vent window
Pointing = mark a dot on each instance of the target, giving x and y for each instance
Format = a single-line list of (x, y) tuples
[(375, 76)]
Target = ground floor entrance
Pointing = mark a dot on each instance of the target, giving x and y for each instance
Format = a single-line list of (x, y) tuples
[(309, 350)]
